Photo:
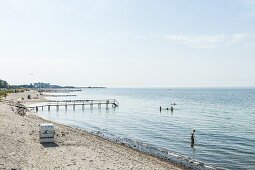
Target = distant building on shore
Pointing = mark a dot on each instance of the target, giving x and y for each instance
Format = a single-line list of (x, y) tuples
[(41, 85), (48, 85)]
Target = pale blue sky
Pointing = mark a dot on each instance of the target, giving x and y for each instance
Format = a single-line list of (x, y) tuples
[(128, 43)]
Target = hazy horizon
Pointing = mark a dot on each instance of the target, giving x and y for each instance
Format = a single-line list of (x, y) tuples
[(143, 43), (151, 87)]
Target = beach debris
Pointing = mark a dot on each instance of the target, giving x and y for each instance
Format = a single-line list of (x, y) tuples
[(64, 133), (16, 106), (15, 168), (31, 133), (20, 109)]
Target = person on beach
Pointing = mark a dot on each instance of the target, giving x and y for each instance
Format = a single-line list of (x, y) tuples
[(160, 108), (172, 109), (192, 137)]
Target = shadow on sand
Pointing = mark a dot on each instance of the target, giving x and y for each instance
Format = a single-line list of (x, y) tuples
[(49, 145)]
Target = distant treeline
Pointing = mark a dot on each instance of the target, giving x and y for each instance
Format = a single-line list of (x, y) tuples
[(33, 86), (3, 84), (21, 86)]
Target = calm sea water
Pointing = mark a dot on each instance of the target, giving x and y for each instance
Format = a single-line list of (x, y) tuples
[(224, 120)]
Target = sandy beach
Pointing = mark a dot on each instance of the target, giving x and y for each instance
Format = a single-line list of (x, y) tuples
[(74, 149)]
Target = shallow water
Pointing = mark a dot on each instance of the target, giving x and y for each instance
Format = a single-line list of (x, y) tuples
[(224, 120)]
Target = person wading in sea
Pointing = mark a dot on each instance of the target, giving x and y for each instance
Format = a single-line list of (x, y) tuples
[(192, 136)]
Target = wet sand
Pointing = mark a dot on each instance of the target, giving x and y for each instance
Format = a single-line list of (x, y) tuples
[(73, 149)]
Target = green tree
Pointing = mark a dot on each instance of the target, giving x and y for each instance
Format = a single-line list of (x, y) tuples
[(3, 84)]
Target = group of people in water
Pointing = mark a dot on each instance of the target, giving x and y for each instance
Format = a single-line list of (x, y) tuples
[(171, 108), (192, 134)]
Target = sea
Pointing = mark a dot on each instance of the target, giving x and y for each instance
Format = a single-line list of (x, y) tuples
[(224, 120)]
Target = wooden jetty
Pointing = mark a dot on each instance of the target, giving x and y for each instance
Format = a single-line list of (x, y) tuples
[(65, 103), (58, 90), (64, 95)]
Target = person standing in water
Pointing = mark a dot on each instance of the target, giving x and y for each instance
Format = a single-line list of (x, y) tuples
[(192, 137), (172, 109)]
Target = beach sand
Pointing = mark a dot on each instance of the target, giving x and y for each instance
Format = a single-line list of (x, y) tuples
[(74, 149)]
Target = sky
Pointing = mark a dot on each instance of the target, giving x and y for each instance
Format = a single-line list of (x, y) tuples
[(128, 43)]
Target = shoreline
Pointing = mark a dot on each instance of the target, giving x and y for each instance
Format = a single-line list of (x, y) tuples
[(73, 148)]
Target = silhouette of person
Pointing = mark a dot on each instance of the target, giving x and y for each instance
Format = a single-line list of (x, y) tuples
[(192, 137)]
